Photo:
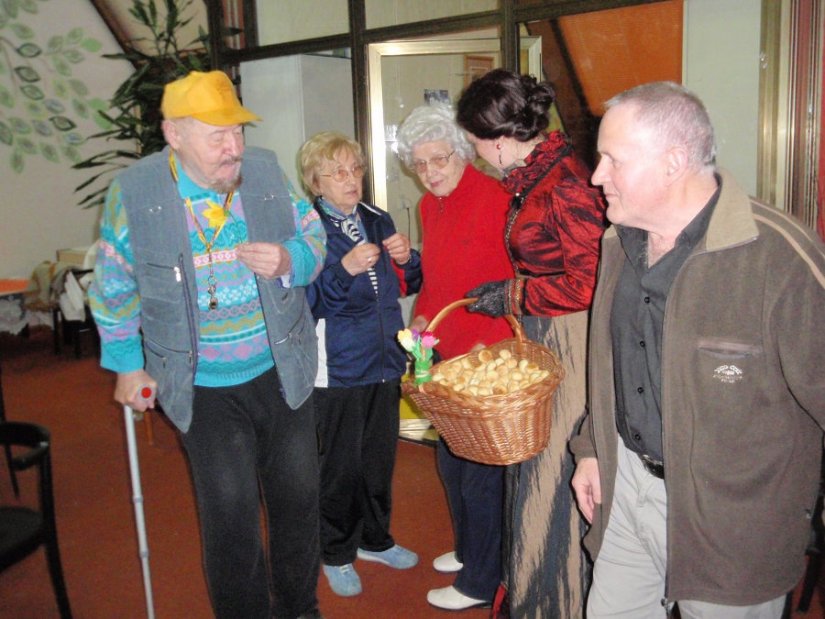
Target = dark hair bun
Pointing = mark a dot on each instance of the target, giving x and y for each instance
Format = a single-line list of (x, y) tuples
[(502, 102)]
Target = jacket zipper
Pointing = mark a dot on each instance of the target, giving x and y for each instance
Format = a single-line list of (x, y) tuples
[(187, 299)]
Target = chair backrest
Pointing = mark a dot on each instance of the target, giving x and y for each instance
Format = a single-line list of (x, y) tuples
[(38, 441), (26, 529)]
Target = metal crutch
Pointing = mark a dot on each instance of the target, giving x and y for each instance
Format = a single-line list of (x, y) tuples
[(137, 498)]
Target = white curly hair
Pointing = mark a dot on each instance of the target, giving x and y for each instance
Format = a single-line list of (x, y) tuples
[(431, 123)]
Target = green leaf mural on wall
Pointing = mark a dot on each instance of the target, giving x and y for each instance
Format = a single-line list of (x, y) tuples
[(41, 100)]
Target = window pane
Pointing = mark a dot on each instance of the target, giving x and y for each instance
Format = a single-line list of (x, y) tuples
[(590, 57), (294, 20), (404, 75), (296, 97), (382, 13)]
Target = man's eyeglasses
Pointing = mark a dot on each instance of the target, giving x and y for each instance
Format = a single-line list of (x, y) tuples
[(420, 165), (342, 174)]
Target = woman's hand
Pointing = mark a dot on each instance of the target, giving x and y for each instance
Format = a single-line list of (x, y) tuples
[(398, 247), (360, 258), (492, 298)]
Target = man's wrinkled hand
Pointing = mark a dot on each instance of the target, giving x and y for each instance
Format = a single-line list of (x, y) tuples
[(587, 486), (128, 390), (269, 260)]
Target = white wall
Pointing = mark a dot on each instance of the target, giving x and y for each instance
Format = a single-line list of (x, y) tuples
[(721, 65), (296, 97), (39, 212)]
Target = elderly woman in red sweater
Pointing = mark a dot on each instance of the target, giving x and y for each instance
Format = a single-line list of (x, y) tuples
[(463, 215)]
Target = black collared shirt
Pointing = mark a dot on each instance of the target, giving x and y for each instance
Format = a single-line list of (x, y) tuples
[(637, 320)]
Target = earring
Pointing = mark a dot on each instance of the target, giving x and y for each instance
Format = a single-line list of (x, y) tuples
[(498, 148)]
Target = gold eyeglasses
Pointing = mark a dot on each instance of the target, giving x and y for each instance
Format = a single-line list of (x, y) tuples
[(340, 175), (439, 162)]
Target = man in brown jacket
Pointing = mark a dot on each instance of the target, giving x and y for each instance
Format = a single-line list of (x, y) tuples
[(698, 464)]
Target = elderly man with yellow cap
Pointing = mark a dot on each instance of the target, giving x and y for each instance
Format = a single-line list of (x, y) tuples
[(204, 257)]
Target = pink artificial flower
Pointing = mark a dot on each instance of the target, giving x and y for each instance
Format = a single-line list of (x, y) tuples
[(428, 339)]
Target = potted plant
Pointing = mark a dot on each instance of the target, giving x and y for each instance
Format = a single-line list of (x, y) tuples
[(134, 116)]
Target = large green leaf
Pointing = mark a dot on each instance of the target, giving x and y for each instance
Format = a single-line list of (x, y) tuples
[(20, 126), (27, 146), (49, 152), (91, 45), (73, 138), (10, 7), (55, 43), (42, 127), (61, 66), (6, 136), (6, 98), (32, 92), (22, 31), (27, 74), (17, 161), (80, 108), (73, 56), (71, 153), (75, 35), (29, 50), (54, 106), (62, 123)]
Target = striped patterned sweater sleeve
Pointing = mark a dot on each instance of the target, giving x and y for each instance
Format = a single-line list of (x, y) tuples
[(113, 296), (308, 247)]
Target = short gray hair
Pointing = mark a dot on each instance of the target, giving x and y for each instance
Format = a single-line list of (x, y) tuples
[(432, 123), (677, 116)]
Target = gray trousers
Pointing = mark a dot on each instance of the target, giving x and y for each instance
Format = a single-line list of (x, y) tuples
[(629, 573)]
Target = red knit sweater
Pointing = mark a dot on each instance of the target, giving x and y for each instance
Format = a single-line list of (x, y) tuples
[(463, 246)]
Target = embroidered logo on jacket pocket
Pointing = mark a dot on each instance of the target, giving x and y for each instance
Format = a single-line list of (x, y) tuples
[(728, 374)]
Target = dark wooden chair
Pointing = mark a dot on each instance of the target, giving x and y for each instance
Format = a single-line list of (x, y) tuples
[(6, 448), (24, 529)]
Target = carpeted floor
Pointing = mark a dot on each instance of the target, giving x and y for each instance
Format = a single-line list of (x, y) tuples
[(96, 526)]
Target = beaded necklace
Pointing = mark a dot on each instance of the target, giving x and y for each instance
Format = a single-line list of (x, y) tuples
[(211, 280)]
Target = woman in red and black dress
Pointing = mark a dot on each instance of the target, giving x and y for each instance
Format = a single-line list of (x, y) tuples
[(554, 227)]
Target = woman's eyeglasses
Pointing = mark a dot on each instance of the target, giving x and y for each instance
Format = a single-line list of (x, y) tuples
[(420, 165), (342, 174)]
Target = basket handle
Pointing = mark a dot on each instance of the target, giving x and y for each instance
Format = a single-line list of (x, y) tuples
[(518, 330)]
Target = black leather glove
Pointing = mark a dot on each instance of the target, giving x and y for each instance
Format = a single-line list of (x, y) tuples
[(492, 298)]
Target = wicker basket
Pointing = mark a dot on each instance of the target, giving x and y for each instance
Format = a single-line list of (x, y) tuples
[(494, 429)]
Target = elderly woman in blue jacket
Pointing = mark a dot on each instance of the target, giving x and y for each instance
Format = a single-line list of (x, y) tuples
[(355, 304)]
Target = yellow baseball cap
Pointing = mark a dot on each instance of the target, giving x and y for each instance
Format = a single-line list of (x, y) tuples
[(208, 97)]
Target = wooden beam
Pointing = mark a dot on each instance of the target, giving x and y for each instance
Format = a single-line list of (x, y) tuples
[(120, 33)]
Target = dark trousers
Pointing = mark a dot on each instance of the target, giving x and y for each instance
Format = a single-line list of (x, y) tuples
[(358, 433), (247, 447), (475, 493)]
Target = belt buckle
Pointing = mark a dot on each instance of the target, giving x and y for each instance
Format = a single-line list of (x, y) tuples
[(654, 467)]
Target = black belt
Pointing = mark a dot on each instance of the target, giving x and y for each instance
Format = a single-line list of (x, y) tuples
[(654, 467)]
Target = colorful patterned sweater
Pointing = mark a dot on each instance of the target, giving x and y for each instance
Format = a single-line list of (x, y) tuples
[(233, 345)]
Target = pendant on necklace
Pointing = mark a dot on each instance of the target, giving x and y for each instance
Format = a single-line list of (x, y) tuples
[(212, 288)]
